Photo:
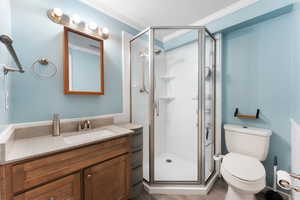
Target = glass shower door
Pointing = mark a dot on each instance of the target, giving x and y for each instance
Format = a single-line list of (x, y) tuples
[(176, 109), (140, 102), (209, 106)]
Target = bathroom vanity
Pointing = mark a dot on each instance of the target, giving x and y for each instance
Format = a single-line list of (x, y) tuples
[(96, 165)]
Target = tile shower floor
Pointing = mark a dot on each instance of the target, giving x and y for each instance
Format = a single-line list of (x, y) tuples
[(217, 193)]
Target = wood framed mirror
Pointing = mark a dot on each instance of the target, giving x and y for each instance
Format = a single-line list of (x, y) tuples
[(83, 63)]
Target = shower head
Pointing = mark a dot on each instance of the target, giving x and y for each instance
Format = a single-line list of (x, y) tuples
[(5, 39)]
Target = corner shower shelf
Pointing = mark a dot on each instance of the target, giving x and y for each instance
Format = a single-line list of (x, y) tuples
[(167, 78), (166, 98)]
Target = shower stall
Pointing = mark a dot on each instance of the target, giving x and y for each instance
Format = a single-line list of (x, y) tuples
[(173, 97)]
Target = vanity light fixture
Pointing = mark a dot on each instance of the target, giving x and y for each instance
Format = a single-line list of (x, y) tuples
[(75, 19), (104, 32), (58, 16), (93, 26), (55, 14)]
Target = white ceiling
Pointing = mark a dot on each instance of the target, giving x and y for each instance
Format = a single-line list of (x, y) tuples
[(145, 13)]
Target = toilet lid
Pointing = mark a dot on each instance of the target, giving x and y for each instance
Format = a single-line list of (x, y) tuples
[(243, 167)]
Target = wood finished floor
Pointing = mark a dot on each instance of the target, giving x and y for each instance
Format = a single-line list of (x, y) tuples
[(217, 193)]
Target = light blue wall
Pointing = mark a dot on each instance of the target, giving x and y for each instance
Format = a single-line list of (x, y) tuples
[(5, 28), (296, 62), (36, 36), (85, 71), (261, 70)]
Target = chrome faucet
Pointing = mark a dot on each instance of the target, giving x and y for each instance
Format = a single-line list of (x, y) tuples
[(56, 125), (84, 125)]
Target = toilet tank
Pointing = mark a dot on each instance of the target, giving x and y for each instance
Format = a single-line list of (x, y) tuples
[(248, 141)]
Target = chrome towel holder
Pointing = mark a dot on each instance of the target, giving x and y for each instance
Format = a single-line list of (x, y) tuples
[(44, 62)]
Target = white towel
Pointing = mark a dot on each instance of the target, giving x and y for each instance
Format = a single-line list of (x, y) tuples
[(295, 141)]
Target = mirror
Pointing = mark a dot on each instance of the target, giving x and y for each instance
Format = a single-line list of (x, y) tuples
[(84, 66)]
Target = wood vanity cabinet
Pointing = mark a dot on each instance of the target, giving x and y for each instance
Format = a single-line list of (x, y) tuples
[(107, 181), (100, 171)]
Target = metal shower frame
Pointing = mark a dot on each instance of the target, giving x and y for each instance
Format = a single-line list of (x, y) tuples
[(201, 103)]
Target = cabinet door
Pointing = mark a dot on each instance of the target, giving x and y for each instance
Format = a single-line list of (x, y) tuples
[(109, 180), (67, 188)]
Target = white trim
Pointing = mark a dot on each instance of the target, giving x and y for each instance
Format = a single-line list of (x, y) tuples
[(217, 15), (218, 92), (110, 12), (125, 117), (140, 26), (181, 189), (218, 139)]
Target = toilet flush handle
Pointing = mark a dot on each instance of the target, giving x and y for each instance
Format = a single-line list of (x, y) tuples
[(218, 157)]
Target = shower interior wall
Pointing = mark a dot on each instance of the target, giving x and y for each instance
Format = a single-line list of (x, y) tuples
[(176, 92)]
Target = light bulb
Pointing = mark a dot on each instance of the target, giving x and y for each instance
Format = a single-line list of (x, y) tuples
[(105, 31), (93, 26), (75, 19), (57, 12)]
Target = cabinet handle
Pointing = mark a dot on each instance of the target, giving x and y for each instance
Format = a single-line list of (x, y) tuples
[(51, 198), (89, 176)]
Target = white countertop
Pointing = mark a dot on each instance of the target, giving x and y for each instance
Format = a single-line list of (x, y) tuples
[(25, 148), (129, 126)]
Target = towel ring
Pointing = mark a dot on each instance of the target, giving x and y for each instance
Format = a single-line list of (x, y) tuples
[(48, 70)]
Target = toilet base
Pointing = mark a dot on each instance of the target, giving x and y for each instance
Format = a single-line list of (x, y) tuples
[(234, 194)]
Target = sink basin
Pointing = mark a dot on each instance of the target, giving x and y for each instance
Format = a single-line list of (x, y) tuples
[(88, 136)]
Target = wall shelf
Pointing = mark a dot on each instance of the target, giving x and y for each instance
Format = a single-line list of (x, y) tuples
[(166, 98), (167, 78)]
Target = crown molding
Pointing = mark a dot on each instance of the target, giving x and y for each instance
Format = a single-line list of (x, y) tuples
[(139, 26), (217, 15), (110, 12)]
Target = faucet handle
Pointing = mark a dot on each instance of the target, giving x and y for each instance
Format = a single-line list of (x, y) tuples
[(80, 126), (88, 123), (84, 125)]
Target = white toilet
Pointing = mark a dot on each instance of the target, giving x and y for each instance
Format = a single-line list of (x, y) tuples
[(241, 167)]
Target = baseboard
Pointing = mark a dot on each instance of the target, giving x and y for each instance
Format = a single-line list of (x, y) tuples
[(181, 189)]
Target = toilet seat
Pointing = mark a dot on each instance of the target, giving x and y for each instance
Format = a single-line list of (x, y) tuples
[(243, 172)]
